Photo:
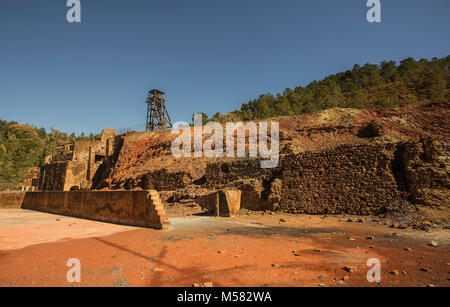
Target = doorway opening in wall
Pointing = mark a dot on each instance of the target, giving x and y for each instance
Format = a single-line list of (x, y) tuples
[(99, 158)]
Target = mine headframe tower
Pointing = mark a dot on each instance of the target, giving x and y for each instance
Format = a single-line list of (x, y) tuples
[(157, 116)]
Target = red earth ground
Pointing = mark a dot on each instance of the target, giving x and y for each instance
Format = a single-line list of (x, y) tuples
[(250, 249)]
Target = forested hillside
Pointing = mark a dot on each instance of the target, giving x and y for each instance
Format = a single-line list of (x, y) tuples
[(369, 86), (23, 147)]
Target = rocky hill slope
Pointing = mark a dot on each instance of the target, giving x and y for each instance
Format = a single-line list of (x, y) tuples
[(334, 161)]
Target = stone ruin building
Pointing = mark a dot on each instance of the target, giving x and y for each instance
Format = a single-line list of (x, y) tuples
[(368, 166), (73, 166), (77, 166)]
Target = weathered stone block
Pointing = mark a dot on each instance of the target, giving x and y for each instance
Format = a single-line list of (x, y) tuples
[(229, 202), (222, 203)]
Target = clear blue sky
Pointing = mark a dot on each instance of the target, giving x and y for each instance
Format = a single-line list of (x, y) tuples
[(207, 55)]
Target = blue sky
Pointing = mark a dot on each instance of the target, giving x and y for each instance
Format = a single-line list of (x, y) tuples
[(207, 55)]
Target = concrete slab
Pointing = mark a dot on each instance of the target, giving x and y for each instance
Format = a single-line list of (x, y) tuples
[(20, 228)]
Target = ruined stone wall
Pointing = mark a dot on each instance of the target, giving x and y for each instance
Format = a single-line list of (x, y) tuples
[(225, 172), (108, 134), (76, 176), (74, 166), (81, 150), (162, 180), (422, 170), (62, 157), (63, 176), (52, 176), (356, 179), (348, 179)]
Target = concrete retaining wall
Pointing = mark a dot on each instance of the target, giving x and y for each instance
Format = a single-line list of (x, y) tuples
[(134, 208), (11, 200)]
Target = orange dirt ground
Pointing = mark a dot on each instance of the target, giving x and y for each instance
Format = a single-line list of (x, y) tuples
[(251, 249)]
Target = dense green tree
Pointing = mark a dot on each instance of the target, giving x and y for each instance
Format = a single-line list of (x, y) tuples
[(389, 71), (23, 147), (367, 86)]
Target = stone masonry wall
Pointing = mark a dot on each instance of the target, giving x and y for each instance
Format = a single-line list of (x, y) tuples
[(348, 179), (161, 180), (74, 166), (52, 176), (356, 179), (226, 172), (76, 176)]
